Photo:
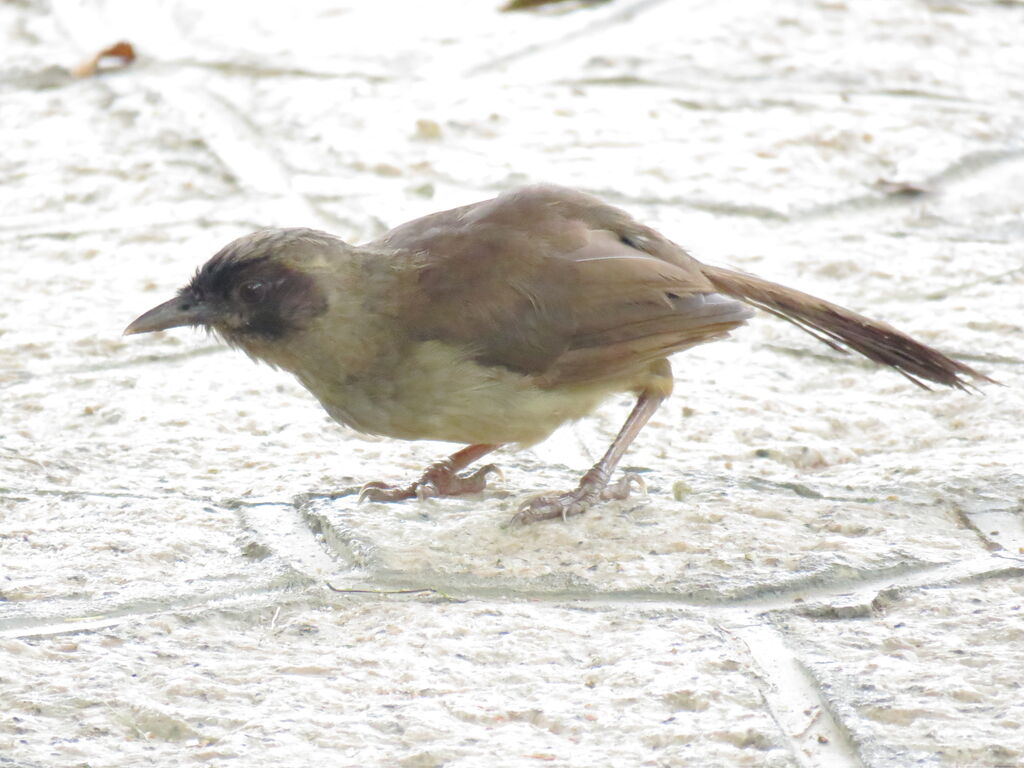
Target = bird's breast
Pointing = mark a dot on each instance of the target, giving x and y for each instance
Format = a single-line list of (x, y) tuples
[(434, 391)]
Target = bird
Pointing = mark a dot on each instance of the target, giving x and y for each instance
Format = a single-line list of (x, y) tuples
[(492, 324)]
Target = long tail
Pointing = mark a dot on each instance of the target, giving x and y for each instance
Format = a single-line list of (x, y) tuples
[(844, 330)]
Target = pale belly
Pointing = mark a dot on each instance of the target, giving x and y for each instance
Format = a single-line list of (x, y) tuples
[(437, 394)]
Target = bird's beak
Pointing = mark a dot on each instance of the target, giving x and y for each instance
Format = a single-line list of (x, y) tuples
[(179, 311)]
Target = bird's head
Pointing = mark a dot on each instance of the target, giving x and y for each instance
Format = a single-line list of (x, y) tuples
[(255, 291)]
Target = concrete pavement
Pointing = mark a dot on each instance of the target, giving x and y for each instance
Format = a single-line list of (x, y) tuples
[(827, 568)]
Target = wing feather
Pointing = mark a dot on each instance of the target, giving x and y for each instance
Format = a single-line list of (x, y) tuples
[(556, 285)]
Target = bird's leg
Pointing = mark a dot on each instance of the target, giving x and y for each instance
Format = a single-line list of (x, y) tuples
[(594, 484), (439, 479)]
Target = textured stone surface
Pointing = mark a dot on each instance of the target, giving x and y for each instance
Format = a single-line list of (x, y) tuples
[(826, 568)]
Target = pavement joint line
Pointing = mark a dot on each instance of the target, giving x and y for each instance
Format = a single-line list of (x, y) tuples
[(256, 69), (609, 18), (232, 138), (978, 162), (48, 626), (13, 493), (960, 169), (738, 614), (967, 520), (792, 697), (953, 290), (1005, 528), (864, 591), (291, 538), (341, 540)]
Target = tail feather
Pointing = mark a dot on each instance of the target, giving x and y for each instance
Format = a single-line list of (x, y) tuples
[(845, 330)]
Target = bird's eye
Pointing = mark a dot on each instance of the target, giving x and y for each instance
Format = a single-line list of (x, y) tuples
[(252, 292)]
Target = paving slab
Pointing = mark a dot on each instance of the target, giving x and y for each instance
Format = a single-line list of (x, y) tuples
[(929, 676), (825, 569)]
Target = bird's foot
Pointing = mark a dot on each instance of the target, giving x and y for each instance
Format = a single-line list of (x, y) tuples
[(439, 480), (591, 489)]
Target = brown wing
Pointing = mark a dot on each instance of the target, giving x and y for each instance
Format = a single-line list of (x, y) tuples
[(556, 284)]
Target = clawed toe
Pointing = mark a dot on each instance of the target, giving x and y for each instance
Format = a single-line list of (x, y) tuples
[(378, 491), (622, 488), (449, 484), (551, 506), (479, 478), (547, 507), (436, 482)]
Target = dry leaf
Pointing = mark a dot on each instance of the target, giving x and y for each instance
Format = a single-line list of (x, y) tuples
[(121, 52)]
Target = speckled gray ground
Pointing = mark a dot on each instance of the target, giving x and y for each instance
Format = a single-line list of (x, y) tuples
[(827, 568)]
